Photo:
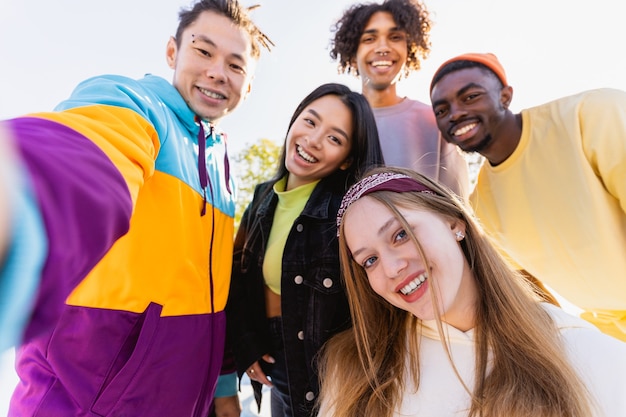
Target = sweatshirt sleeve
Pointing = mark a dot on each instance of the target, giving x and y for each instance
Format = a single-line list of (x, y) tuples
[(602, 118), (80, 170)]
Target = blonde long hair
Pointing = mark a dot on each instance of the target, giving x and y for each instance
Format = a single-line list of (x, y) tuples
[(529, 371)]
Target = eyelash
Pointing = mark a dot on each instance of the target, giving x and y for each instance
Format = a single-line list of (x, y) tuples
[(400, 236), (236, 67), (331, 137), (366, 263)]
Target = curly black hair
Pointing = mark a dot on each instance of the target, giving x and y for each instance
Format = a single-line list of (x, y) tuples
[(411, 16)]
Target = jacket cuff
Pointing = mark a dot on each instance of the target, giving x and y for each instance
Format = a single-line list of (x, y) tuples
[(226, 385)]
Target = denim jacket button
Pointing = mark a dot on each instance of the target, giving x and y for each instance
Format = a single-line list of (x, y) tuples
[(299, 227), (310, 396), (298, 279), (327, 282), (301, 335)]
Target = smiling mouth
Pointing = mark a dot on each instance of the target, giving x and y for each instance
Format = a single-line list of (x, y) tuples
[(414, 285), (305, 155), (212, 94), (382, 64), (463, 130)]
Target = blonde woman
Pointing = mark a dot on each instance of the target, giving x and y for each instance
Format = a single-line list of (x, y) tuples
[(444, 327)]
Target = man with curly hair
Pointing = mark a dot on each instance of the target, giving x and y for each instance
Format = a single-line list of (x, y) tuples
[(381, 43)]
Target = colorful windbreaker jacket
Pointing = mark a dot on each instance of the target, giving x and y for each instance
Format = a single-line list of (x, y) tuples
[(121, 252)]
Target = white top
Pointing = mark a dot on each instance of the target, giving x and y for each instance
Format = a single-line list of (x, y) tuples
[(599, 359)]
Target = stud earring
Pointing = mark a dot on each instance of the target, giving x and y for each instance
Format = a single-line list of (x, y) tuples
[(459, 235)]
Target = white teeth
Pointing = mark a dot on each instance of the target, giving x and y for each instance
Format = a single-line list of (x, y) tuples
[(465, 129), (382, 63), (212, 94), (412, 286), (306, 156)]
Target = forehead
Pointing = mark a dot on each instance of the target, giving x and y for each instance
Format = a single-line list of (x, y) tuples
[(368, 219), (364, 211), (330, 105), (380, 20), (221, 31), (453, 82)]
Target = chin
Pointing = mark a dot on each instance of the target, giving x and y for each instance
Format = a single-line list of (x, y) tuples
[(480, 146)]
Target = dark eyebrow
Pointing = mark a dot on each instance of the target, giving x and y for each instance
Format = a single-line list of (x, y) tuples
[(206, 39), (461, 91), (373, 31), (317, 115)]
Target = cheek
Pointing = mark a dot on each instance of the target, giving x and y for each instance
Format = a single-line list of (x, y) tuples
[(239, 83), (338, 157), (377, 285)]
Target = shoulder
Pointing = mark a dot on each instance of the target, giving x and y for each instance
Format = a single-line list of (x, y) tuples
[(262, 190), (109, 83), (582, 338), (599, 359), (118, 90), (405, 108), (600, 97), (417, 106)]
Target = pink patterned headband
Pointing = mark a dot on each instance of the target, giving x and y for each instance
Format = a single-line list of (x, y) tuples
[(384, 181)]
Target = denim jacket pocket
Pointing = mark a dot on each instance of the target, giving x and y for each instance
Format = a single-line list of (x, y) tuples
[(327, 307)]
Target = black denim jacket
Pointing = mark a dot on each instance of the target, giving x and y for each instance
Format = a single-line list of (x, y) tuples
[(314, 304)]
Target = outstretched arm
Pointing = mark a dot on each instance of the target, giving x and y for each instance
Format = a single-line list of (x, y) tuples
[(7, 172), (71, 194)]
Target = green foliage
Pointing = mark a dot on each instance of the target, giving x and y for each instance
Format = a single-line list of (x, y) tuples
[(254, 164), (258, 162)]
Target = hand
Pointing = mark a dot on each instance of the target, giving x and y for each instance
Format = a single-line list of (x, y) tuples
[(255, 372), (7, 169), (227, 406)]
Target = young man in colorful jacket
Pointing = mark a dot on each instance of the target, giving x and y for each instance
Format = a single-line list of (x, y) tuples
[(117, 269)]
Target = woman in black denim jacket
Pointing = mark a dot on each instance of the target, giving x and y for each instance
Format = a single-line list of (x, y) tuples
[(279, 315)]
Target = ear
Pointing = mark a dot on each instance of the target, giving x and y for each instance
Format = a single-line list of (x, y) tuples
[(170, 52), (346, 164), (456, 226), (506, 96), (248, 90)]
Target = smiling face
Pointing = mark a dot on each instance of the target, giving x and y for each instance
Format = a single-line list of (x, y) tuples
[(319, 141), (382, 52), (213, 66), (470, 105), (396, 271)]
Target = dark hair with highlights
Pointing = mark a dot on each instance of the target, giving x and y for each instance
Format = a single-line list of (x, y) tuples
[(365, 150), (231, 9)]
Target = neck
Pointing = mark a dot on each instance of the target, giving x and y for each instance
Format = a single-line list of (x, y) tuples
[(505, 139), (381, 98)]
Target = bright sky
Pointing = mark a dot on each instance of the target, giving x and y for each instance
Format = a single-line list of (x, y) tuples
[(549, 48)]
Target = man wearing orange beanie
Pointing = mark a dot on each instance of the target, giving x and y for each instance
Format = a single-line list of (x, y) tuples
[(552, 190)]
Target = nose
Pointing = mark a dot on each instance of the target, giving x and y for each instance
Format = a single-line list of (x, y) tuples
[(394, 265), (456, 112), (314, 140), (382, 48), (216, 70)]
